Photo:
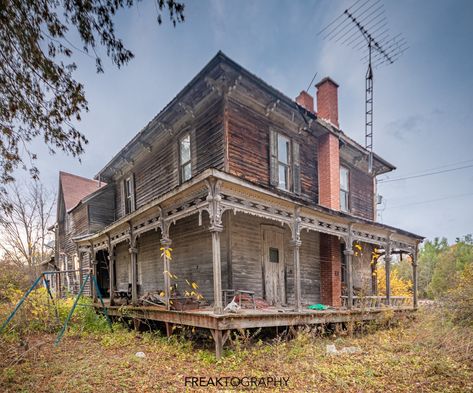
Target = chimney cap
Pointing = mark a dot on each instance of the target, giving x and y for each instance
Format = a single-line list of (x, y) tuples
[(326, 79)]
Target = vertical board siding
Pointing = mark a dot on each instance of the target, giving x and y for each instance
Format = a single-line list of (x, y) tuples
[(102, 209), (362, 270), (248, 149), (158, 171), (192, 255), (122, 266), (247, 258), (361, 193), (150, 264)]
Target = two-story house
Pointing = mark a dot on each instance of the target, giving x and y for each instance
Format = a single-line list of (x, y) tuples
[(252, 191)]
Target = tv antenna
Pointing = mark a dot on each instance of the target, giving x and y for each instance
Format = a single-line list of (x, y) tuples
[(364, 27)]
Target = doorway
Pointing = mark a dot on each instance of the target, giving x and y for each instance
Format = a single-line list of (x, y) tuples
[(273, 264), (103, 273)]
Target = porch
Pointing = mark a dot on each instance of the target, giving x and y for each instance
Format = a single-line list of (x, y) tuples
[(220, 325)]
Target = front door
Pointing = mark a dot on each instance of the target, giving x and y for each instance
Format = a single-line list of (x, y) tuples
[(273, 264)]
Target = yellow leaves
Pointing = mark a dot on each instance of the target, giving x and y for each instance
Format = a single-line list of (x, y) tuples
[(399, 287), (194, 285), (162, 294), (166, 252)]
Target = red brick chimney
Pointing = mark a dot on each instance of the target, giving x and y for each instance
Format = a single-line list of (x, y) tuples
[(327, 100), (305, 100), (328, 146)]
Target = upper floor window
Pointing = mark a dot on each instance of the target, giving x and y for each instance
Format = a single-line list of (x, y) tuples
[(284, 161), (129, 194), (285, 168), (344, 189), (185, 158)]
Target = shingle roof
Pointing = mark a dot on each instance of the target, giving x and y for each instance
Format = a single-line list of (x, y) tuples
[(75, 188)]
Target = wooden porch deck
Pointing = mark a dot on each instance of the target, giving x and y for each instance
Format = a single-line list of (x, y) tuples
[(220, 325)]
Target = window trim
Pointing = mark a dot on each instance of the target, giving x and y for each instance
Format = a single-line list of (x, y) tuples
[(345, 192), (182, 165), (131, 197), (288, 166)]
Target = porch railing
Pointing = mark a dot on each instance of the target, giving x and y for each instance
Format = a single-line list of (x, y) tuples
[(377, 301)]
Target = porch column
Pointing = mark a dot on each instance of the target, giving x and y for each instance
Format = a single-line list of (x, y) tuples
[(296, 245), (79, 255), (348, 252), (93, 272), (414, 276), (111, 269), (166, 244), (387, 263), (134, 271), (217, 268)]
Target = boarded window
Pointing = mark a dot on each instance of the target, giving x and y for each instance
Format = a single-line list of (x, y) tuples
[(185, 158), (344, 189)]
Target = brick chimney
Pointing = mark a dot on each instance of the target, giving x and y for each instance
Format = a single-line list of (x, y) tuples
[(305, 100), (327, 100), (328, 146)]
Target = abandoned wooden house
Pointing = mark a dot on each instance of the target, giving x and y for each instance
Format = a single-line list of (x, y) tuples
[(259, 196)]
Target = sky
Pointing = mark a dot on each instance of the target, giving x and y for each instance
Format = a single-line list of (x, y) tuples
[(423, 108)]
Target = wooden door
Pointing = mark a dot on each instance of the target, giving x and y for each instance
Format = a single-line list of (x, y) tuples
[(273, 264)]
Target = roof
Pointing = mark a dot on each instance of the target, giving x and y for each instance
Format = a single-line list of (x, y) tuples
[(75, 188), (218, 58)]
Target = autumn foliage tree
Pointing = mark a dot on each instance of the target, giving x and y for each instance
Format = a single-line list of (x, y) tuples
[(39, 96)]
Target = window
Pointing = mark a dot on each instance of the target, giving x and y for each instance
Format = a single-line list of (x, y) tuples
[(285, 172), (344, 189), (273, 255), (185, 158), (129, 194), (283, 162)]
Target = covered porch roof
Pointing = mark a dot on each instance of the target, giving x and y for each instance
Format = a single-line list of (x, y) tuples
[(239, 195)]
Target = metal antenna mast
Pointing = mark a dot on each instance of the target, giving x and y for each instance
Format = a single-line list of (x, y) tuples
[(356, 29)]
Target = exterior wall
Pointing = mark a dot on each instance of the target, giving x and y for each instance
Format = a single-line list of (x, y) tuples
[(102, 209), (248, 148), (191, 259), (362, 275), (361, 193), (246, 258), (330, 270), (157, 172)]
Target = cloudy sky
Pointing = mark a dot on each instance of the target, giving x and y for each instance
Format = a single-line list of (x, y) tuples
[(423, 102)]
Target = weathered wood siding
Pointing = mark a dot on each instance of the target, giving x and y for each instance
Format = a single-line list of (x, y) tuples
[(122, 266), (362, 277), (248, 148), (102, 209), (361, 192), (246, 258), (158, 171), (150, 263)]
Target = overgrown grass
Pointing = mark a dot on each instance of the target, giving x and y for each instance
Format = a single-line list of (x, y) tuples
[(428, 354)]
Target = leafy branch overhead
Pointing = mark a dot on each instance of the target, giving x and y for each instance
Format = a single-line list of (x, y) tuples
[(39, 96)]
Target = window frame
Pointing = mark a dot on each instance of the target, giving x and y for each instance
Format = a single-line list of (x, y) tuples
[(187, 163), (129, 194), (345, 193)]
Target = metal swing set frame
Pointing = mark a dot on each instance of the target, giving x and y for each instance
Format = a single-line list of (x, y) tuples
[(43, 277)]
